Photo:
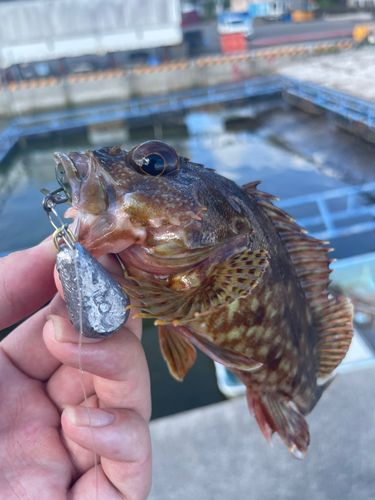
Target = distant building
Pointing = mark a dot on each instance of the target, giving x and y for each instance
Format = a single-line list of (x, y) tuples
[(360, 3), (243, 5), (239, 5), (39, 30)]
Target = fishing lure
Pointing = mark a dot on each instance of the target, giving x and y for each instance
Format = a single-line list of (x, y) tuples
[(95, 302), (92, 296)]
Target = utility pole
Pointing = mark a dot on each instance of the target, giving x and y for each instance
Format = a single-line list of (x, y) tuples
[(219, 6)]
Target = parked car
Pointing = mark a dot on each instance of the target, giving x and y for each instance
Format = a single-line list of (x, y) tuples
[(230, 23)]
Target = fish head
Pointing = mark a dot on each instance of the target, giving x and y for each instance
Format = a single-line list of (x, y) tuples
[(148, 196)]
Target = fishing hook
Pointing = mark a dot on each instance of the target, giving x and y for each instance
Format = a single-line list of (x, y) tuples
[(63, 232)]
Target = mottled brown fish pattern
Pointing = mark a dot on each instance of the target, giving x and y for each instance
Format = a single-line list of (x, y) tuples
[(220, 268)]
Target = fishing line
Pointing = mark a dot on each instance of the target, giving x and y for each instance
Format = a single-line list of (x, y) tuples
[(81, 379), (105, 310)]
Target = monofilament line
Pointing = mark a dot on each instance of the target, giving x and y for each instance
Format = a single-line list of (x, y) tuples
[(81, 377)]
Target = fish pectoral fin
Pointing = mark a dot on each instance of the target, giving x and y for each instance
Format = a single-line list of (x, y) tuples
[(224, 283), (275, 413), (178, 352), (236, 277), (216, 285)]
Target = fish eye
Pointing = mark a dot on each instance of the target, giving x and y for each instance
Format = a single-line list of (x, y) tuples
[(153, 164), (153, 158)]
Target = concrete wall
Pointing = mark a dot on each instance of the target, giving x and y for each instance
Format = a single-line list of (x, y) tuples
[(80, 93), (40, 30), (358, 128)]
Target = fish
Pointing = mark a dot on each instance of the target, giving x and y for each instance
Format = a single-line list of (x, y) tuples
[(220, 268)]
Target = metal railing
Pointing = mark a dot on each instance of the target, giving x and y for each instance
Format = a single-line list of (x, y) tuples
[(350, 107), (335, 221), (135, 108)]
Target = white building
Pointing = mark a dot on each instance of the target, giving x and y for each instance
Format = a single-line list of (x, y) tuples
[(243, 5), (239, 5)]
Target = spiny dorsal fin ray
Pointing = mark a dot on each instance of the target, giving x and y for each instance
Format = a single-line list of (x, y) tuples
[(335, 333), (252, 186), (309, 257), (217, 286)]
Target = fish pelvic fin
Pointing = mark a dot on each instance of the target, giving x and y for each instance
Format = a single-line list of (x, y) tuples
[(332, 316), (177, 351), (231, 359), (275, 413)]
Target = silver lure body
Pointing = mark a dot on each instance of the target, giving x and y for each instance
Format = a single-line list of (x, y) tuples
[(95, 294)]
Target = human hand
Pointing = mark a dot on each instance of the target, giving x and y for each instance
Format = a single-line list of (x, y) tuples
[(46, 447)]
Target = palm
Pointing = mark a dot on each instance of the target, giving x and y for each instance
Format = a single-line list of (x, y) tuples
[(33, 424), (42, 454)]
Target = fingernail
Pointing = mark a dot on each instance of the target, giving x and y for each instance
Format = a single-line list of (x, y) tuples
[(66, 333), (79, 416), (57, 330)]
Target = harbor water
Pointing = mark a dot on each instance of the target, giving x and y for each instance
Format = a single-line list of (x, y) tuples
[(293, 153)]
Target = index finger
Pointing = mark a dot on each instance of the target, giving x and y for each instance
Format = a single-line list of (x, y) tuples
[(26, 282)]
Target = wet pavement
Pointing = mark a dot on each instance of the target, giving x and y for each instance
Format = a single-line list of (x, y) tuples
[(352, 72), (219, 452), (292, 152)]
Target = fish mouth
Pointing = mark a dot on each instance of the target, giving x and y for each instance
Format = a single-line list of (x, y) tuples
[(71, 172), (63, 159), (84, 181), (62, 178), (75, 169)]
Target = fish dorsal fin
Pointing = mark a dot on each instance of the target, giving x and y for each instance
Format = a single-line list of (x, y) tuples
[(333, 316), (178, 352), (214, 286)]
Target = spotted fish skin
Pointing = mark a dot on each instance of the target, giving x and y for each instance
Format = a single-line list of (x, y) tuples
[(280, 333), (275, 327), (220, 268)]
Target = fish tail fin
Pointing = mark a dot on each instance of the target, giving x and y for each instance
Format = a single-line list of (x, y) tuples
[(275, 413)]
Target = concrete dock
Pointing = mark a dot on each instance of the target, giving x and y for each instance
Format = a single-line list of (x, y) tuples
[(218, 452), (352, 72)]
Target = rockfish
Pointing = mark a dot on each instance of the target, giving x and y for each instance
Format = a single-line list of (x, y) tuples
[(220, 268)]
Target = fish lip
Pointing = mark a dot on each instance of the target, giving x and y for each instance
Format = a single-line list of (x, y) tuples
[(68, 165), (63, 159)]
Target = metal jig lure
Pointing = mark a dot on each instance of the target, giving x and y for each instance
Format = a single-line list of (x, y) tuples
[(95, 301)]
